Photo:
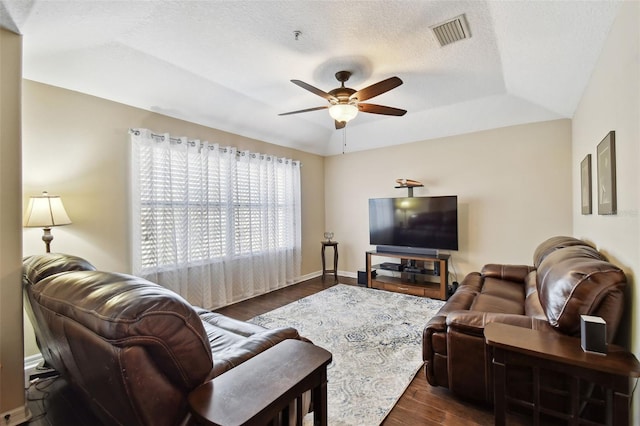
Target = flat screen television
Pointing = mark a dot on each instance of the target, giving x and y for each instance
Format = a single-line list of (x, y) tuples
[(414, 224)]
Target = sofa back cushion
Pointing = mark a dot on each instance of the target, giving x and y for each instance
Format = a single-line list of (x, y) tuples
[(35, 269), (552, 244), (576, 280), (134, 349), (129, 311), (38, 267), (532, 306)]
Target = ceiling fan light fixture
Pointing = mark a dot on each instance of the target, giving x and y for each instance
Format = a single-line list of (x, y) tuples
[(344, 102), (343, 112)]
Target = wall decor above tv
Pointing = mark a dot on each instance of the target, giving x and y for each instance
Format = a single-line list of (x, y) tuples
[(414, 224)]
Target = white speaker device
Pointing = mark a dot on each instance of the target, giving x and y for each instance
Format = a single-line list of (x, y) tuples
[(593, 332)]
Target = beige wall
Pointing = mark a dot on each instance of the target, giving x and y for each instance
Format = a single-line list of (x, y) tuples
[(612, 102), (12, 401), (77, 146), (513, 186)]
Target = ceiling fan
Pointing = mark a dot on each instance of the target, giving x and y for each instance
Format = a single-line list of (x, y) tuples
[(344, 102)]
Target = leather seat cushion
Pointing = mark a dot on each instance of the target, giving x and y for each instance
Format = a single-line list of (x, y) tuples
[(497, 305), (504, 289), (500, 296)]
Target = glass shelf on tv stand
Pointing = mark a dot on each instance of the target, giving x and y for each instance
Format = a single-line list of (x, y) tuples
[(422, 281), (424, 276)]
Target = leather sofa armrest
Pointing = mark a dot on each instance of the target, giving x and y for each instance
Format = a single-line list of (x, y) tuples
[(516, 273), (437, 324), (436, 328), (461, 300), (247, 348), (232, 325), (468, 358), (473, 323)]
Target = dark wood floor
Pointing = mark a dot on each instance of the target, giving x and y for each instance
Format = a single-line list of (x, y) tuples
[(52, 403)]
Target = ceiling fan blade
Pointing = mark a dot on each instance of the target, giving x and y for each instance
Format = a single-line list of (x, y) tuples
[(305, 110), (314, 90), (381, 109), (340, 124), (377, 89)]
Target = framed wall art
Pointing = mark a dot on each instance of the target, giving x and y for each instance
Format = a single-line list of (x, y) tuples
[(585, 184), (607, 174)]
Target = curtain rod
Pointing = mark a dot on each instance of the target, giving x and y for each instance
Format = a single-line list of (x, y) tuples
[(221, 148), (156, 135)]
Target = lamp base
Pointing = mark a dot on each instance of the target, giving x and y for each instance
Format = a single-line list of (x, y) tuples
[(47, 238)]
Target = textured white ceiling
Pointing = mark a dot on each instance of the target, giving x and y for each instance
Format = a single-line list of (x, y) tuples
[(227, 64)]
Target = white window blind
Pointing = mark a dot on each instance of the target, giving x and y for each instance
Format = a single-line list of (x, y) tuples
[(211, 223)]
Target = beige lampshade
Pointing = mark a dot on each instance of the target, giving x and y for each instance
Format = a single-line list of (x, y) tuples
[(45, 211)]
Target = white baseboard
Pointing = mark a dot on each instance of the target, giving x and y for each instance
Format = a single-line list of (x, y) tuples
[(348, 274), (16, 416), (307, 277), (316, 274), (32, 361), (30, 364)]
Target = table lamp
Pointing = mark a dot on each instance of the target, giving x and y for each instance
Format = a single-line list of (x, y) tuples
[(45, 211)]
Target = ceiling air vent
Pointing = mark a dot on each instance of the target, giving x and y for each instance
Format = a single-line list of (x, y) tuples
[(452, 30)]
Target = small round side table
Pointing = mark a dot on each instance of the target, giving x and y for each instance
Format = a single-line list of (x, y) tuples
[(333, 271)]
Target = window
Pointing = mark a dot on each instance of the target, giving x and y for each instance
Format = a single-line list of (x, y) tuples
[(199, 205)]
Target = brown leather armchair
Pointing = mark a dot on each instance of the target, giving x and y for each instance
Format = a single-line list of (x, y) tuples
[(568, 278), (133, 349)]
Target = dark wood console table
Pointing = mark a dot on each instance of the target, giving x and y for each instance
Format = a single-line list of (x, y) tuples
[(561, 355), (257, 390)]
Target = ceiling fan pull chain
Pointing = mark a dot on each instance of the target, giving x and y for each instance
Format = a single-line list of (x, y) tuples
[(344, 139)]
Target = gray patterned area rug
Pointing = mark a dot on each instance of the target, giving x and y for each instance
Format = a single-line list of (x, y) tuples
[(375, 337)]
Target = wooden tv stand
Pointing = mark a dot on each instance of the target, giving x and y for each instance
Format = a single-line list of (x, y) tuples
[(429, 276)]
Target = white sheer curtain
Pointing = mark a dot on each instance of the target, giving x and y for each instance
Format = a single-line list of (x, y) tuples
[(213, 224)]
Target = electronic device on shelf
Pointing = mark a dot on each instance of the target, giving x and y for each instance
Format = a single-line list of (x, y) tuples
[(417, 225), (390, 266)]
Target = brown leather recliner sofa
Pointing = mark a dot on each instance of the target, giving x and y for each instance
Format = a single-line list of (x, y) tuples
[(568, 278), (133, 349)]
